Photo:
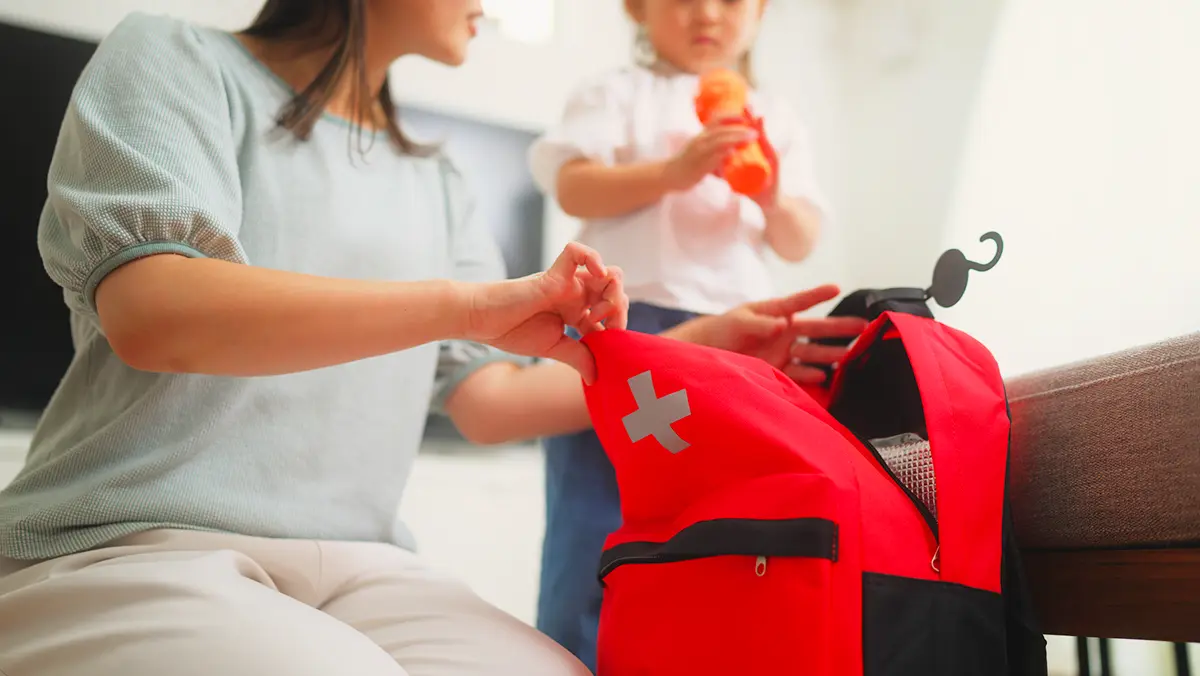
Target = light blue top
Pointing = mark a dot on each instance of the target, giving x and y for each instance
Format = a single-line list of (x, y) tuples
[(170, 145)]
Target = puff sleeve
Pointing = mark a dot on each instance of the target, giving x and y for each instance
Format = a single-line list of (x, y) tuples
[(593, 126), (145, 163), (474, 257)]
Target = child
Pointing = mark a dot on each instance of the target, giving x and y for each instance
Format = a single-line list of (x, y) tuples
[(631, 160)]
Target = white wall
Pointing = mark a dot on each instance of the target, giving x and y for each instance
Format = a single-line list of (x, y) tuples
[(798, 56), (1084, 152), (910, 76), (522, 85)]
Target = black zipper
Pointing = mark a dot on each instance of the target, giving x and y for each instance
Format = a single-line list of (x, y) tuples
[(799, 538), (912, 497)]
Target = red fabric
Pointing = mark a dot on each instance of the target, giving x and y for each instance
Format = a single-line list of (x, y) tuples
[(716, 615), (760, 447), (963, 396)]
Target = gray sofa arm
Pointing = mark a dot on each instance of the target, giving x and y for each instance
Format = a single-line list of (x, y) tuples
[(1106, 453), (1105, 491)]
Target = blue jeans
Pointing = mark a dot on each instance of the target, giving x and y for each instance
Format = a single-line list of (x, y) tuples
[(582, 508)]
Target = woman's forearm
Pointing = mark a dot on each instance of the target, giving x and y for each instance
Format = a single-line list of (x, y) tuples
[(503, 403), (588, 189), (169, 313)]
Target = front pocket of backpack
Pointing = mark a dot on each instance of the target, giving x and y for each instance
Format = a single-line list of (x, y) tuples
[(720, 595)]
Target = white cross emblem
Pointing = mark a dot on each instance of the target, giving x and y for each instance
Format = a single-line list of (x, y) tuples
[(654, 416)]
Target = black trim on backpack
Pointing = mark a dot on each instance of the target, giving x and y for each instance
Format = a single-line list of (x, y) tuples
[(868, 304), (808, 538), (1026, 644)]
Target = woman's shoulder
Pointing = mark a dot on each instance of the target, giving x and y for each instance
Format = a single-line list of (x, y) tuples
[(149, 52), (155, 56), (156, 37)]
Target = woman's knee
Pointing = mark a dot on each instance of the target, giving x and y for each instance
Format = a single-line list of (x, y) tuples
[(122, 618), (432, 624)]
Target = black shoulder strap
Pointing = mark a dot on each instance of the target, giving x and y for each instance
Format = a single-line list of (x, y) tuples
[(1026, 644), (868, 304)]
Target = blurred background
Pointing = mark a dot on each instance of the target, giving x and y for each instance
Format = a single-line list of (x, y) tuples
[(1069, 126)]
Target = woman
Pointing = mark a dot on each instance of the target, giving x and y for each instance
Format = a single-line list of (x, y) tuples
[(261, 320)]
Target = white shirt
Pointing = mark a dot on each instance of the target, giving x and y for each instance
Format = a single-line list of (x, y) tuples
[(699, 250)]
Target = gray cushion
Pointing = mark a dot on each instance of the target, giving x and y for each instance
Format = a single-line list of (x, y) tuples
[(1106, 452)]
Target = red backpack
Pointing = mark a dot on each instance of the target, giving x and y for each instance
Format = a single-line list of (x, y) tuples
[(859, 532)]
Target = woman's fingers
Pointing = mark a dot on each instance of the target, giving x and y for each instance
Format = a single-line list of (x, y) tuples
[(575, 354), (805, 375), (811, 353), (604, 301), (574, 256), (597, 315), (593, 264), (761, 327), (587, 283), (828, 327), (614, 294), (797, 302), (609, 314)]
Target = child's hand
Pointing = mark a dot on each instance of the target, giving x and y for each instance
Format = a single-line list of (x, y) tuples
[(527, 316), (705, 153), (769, 197)]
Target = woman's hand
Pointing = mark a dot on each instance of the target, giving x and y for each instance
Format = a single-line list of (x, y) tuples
[(527, 316), (705, 154), (503, 403), (769, 330)]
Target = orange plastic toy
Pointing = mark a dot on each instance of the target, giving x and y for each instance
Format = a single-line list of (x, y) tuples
[(723, 94)]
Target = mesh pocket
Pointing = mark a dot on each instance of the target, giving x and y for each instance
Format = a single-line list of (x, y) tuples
[(908, 456)]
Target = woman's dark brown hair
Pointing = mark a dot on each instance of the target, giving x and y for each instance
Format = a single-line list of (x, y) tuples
[(342, 25)]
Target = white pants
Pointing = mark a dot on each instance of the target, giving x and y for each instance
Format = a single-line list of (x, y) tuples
[(193, 604)]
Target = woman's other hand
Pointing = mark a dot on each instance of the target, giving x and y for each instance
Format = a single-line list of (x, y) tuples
[(770, 331), (527, 316)]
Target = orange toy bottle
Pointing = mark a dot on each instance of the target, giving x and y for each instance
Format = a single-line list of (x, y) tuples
[(723, 94)]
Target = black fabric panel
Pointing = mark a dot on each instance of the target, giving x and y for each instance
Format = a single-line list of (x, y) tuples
[(928, 628), (879, 396)]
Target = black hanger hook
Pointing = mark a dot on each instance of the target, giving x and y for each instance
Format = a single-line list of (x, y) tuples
[(950, 273)]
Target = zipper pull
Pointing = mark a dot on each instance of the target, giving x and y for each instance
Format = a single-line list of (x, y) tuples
[(935, 563), (760, 566)]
